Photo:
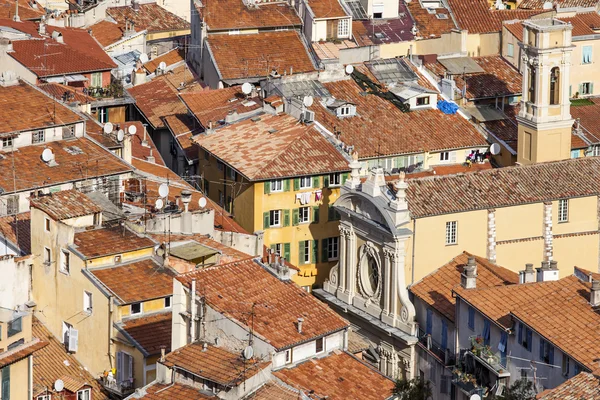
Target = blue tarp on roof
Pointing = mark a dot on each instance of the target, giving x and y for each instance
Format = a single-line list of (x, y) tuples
[(447, 107)]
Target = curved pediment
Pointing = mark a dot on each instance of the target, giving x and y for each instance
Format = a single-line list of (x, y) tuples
[(364, 206)]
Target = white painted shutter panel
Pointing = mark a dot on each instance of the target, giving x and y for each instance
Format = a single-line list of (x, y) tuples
[(130, 377), (120, 366), (453, 156), (73, 340)]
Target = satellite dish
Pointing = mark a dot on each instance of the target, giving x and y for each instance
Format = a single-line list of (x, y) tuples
[(144, 58), (159, 204), (202, 202), (59, 385), (349, 69), (108, 127), (120, 135), (132, 129), (162, 65), (495, 149), (308, 101), (163, 190), (547, 5), (475, 397), (47, 155), (247, 88), (248, 352)]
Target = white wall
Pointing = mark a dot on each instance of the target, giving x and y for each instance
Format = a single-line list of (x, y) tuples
[(15, 283)]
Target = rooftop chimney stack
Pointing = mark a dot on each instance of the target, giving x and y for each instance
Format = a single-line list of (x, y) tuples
[(468, 278), (548, 271), (528, 275), (162, 353), (300, 321), (186, 215), (595, 294)]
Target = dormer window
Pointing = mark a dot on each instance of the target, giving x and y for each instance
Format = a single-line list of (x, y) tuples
[(423, 101), (347, 110)]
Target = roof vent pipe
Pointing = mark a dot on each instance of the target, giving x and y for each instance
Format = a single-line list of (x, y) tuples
[(300, 321)]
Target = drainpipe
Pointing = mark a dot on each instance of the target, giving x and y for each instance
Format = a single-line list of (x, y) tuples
[(193, 313), (412, 279), (111, 309)]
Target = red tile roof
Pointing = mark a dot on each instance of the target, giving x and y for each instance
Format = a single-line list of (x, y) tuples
[(54, 362), (171, 57), (65, 204), (516, 28), (150, 332), (81, 41), (582, 386), (177, 391), (277, 146), (503, 187), (429, 25), (233, 14), (590, 19), (20, 352), (373, 131), (138, 150), (17, 228), (338, 377), (476, 16), (272, 391), (256, 55), (107, 32), (96, 243), (232, 289), (183, 128), (539, 4), (137, 281), (31, 172), (150, 17), (27, 27), (327, 8), (436, 288), (65, 93), (27, 10), (589, 118), (156, 99), (35, 108)]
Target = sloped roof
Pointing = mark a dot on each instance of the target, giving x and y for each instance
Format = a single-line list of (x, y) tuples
[(327, 8), (233, 14), (585, 385), (151, 332), (150, 17), (515, 27), (256, 55), (429, 25), (273, 390), (436, 288), (177, 391), (17, 228), (27, 27), (106, 32), (94, 243), (156, 99), (27, 10), (276, 146), (232, 289), (138, 150), (338, 376), (169, 58), (21, 351), (476, 16), (183, 127), (539, 4), (65, 204)]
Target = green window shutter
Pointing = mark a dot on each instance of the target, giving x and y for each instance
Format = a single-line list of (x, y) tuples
[(345, 177), (296, 184), (286, 185), (267, 185), (570, 90), (301, 252), (315, 251), (316, 182), (330, 214), (286, 217), (295, 216), (315, 215), (325, 180), (273, 247), (324, 252), (580, 88), (5, 382), (286, 251), (266, 220)]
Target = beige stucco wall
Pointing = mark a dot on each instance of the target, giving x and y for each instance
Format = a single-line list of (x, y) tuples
[(529, 218), (515, 255), (581, 72), (580, 209), (580, 251), (546, 145)]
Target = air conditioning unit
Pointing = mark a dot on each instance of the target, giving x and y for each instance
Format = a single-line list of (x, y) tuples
[(309, 116), (73, 341)]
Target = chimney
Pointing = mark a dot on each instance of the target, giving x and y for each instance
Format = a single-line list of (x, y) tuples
[(145, 140), (9, 78), (468, 278), (595, 294), (300, 321), (150, 158), (528, 275), (42, 28), (548, 271), (6, 46), (56, 35), (16, 17), (127, 148), (135, 4), (186, 216), (204, 346), (162, 353)]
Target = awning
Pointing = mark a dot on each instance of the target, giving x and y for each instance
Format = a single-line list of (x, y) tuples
[(192, 251), (66, 79), (485, 113)]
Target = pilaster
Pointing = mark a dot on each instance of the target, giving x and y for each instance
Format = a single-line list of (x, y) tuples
[(547, 233), (491, 232), (342, 264)]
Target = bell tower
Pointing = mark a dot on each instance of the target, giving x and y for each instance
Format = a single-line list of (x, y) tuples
[(545, 119)]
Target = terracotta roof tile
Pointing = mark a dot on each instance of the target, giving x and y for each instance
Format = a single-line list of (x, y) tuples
[(20, 352), (591, 275), (65, 93), (213, 363), (590, 19), (558, 310), (327, 8), (138, 150), (429, 25), (27, 10), (73, 384), (150, 17), (539, 4), (337, 377), (360, 34), (233, 288), (580, 26), (80, 40), (107, 32), (137, 281), (272, 391), (178, 391), (476, 16), (256, 55), (35, 108), (293, 149), (233, 14), (95, 243), (582, 386), (171, 57), (436, 288), (501, 187), (589, 118), (373, 131), (53, 362), (498, 79), (31, 172), (516, 28), (151, 332), (184, 128), (156, 99), (65, 204), (15, 227), (27, 27)]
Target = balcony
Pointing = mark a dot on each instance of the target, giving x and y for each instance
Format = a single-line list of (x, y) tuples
[(467, 383), (446, 356), (121, 389), (484, 355)]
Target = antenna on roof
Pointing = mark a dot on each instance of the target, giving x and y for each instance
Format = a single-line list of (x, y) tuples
[(47, 155), (59, 385), (349, 69), (158, 204), (495, 149), (308, 101)]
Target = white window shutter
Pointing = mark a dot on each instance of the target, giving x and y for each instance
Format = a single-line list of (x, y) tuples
[(453, 156), (73, 340)]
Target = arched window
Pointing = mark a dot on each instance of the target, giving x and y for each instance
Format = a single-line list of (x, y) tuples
[(532, 83), (555, 86)]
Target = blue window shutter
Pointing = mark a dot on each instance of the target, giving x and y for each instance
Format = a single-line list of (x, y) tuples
[(576, 369), (486, 331), (529, 337), (429, 321), (520, 333), (541, 349), (444, 334), (551, 354), (471, 318)]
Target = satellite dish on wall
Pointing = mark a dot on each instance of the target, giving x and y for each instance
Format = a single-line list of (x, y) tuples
[(47, 155), (159, 204), (349, 69), (108, 127), (163, 190), (144, 58), (120, 135), (547, 5), (308, 101), (132, 129), (495, 149), (475, 397), (247, 88), (162, 65), (202, 202), (59, 385), (248, 352)]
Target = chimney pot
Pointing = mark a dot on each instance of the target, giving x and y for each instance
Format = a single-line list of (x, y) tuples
[(547, 272), (468, 278), (300, 321), (528, 275), (595, 294), (162, 353)]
